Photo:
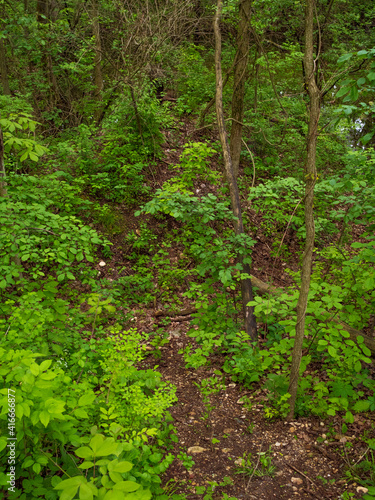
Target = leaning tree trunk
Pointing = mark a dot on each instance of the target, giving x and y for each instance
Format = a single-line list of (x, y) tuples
[(239, 78), (310, 178), (246, 287)]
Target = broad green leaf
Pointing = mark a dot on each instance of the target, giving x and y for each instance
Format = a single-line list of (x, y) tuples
[(343, 91), (114, 495), (107, 448), (33, 156), (84, 452), (80, 413), (45, 365), (361, 405), (69, 493), (366, 138), (86, 399), (115, 476), (34, 368), (69, 483), (86, 492), (44, 418), (354, 93), (96, 442), (122, 467), (86, 465), (332, 351), (349, 417), (344, 58), (126, 486)]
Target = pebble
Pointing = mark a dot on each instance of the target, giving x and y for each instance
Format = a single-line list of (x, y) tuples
[(361, 489), (296, 480), (196, 449)]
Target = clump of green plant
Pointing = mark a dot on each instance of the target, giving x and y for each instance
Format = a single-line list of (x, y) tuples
[(187, 460), (207, 387), (363, 471), (259, 465)]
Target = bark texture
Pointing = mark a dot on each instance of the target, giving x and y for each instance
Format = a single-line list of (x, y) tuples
[(310, 179), (239, 78), (246, 287)]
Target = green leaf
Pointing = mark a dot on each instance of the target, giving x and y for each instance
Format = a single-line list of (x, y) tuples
[(344, 58), (44, 417), (96, 442), (358, 366), (332, 351), (71, 482), (361, 405), (349, 417), (45, 365), (122, 467), (80, 413), (86, 492), (113, 495), (37, 468), (126, 486), (361, 81), (354, 93), (84, 452), (33, 156), (86, 465), (108, 448), (366, 138), (343, 91), (34, 368), (86, 399)]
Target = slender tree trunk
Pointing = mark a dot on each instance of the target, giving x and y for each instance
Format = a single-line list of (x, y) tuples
[(3, 184), (310, 177), (246, 287), (240, 74), (3, 68)]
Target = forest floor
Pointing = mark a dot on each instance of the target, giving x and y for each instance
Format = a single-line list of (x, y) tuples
[(234, 449)]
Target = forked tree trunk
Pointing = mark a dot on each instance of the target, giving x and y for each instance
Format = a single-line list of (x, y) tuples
[(246, 287), (310, 178), (240, 74)]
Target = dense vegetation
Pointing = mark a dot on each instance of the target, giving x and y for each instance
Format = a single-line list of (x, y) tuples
[(113, 202)]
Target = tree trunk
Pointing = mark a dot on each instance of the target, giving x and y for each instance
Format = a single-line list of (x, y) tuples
[(240, 73), (246, 287), (3, 68), (3, 184), (310, 178)]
